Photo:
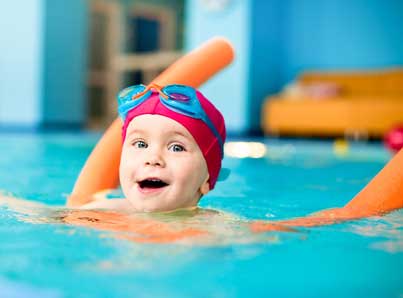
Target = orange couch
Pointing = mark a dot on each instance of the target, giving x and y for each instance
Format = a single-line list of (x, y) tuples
[(367, 103)]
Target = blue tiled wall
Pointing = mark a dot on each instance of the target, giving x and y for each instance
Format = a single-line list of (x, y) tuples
[(20, 63), (229, 89), (275, 40), (342, 34), (65, 62), (43, 62)]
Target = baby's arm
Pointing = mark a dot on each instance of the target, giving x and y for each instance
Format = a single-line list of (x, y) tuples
[(21, 205)]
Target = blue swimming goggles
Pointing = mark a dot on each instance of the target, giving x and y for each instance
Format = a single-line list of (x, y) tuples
[(178, 98)]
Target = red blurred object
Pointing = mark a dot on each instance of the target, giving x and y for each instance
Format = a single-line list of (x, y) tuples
[(393, 139)]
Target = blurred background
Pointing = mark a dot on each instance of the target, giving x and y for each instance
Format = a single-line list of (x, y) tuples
[(315, 68)]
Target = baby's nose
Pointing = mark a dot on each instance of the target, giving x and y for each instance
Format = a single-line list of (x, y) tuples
[(155, 159)]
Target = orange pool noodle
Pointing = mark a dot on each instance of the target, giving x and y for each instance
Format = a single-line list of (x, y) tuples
[(101, 170), (384, 193)]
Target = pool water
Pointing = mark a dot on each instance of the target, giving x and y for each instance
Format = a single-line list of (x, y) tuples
[(293, 178)]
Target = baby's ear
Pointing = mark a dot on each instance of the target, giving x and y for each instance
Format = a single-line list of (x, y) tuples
[(205, 187)]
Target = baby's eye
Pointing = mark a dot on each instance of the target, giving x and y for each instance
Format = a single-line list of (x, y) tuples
[(176, 148), (139, 144)]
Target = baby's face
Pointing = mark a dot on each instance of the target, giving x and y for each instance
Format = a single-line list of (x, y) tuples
[(161, 167)]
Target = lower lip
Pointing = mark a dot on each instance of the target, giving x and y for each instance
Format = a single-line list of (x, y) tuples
[(150, 190)]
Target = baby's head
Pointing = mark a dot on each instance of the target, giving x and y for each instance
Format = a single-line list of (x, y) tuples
[(172, 146)]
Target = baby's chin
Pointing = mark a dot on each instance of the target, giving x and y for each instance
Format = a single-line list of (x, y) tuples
[(159, 202)]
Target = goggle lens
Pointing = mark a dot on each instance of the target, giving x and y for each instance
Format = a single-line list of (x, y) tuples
[(179, 97), (131, 93)]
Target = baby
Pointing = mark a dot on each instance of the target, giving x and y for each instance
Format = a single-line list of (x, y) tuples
[(172, 149)]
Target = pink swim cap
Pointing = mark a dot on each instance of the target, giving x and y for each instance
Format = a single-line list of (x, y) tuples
[(204, 137)]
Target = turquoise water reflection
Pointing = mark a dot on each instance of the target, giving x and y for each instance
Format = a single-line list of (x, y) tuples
[(294, 178)]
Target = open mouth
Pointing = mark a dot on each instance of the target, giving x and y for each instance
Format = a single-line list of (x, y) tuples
[(152, 183)]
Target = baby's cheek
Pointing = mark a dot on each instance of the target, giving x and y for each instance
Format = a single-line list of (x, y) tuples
[(126, 179), (184, 173), (128, 166)]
